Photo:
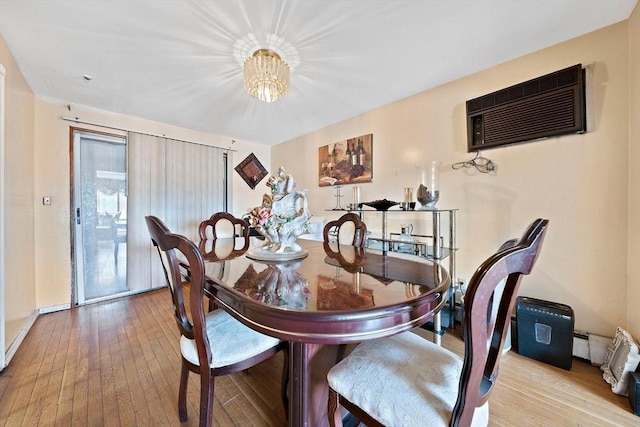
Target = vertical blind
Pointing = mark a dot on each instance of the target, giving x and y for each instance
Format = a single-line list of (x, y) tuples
[(180, 183)]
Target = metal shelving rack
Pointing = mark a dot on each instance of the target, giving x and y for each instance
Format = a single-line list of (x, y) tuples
[(437, 247)]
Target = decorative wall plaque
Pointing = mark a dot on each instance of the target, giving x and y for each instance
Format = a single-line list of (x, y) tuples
[(251, 170)]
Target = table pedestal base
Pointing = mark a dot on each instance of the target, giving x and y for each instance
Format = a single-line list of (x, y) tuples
[(308, 389)]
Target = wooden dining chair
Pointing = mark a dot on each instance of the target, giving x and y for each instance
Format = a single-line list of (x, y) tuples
[(353, 226), (214, 343), (119, 235), (406, 380), (223, 224)]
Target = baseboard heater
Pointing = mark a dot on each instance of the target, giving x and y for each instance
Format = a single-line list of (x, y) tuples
[(550, 105), (590, 347)]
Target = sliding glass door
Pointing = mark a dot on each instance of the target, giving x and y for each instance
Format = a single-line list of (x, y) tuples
[(100, 201), (117, 181)]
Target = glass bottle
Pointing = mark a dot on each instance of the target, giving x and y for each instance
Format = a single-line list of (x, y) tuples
[(334, 155), (429, 184), (361, 153), (354, 155)]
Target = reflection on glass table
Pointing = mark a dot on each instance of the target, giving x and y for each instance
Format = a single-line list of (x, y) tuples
[(278, 284)]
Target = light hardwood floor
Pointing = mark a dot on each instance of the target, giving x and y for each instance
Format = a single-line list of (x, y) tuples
[(116, 363)]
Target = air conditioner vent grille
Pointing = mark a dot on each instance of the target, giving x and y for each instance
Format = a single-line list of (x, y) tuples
[(535, 118), (546, 106)]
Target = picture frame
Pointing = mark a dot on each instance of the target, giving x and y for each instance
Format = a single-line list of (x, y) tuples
[(251, 170), (621, 359), (346, 162)]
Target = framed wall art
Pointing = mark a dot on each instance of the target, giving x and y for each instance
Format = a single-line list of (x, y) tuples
[(251, 170), (346, 162)]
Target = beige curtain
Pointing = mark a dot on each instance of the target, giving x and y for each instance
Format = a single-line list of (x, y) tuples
[(182, 184)]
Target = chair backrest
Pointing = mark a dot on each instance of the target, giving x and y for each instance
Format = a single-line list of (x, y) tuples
[(223, 224), (487, 316), (160, 237), (351, 220)]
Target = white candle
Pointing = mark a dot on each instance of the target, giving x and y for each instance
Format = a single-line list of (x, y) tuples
[(356, 195), (408, 194)]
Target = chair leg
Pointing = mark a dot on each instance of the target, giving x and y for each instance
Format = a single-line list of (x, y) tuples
[(207, 383), (116, 248), (284, 386), (342, 348), (182, 394), (333, 409)]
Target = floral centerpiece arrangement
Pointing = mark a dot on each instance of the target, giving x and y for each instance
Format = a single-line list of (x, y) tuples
[(282, 217)]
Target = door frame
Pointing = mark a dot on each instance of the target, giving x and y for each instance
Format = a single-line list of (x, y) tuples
[(2, 223), (72, 206)]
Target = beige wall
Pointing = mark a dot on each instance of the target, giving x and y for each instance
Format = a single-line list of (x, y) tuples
[(52, 178), (579, 182), (19, 302), (633, 285)]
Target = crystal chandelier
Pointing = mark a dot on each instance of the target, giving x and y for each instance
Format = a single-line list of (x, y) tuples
[(266, 75)]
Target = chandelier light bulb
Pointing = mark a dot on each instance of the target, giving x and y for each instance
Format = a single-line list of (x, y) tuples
[(266, 75)]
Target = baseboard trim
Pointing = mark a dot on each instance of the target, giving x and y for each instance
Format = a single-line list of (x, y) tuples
[(13, 348), (54, 308)]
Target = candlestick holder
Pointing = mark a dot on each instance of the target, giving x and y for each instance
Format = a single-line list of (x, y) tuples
[(338, 196)]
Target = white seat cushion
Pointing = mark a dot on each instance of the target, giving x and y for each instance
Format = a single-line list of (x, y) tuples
[(230, 341), (404, 380)]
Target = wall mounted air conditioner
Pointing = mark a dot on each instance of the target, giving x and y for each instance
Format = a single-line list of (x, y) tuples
[(551, 105)]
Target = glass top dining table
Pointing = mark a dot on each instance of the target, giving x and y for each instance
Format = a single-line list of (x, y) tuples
[(335, 295)]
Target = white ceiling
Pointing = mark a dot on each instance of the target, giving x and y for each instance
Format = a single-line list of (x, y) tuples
[(179, 61)]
